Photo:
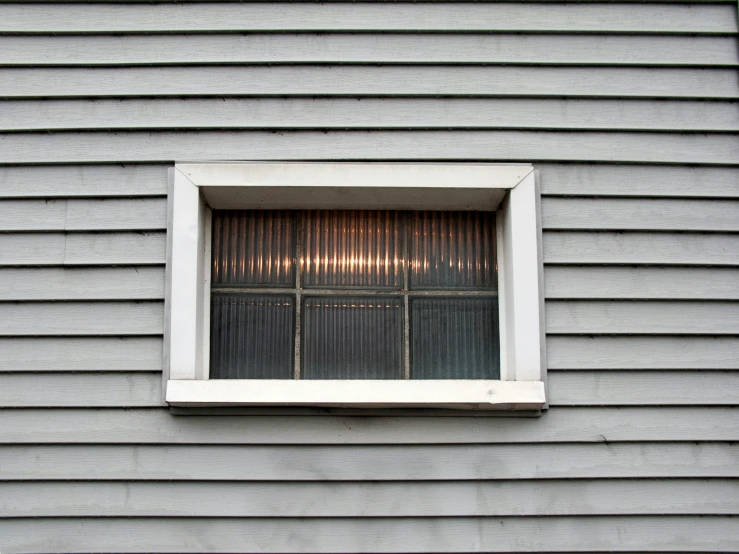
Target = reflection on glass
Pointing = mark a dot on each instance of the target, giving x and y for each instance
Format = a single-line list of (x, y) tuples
[(454, 338), (253, 247), (452, 250), (251, 336), (351, 249), (347, 337)]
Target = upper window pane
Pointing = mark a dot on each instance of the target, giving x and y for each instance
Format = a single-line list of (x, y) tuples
[(253, 248), (353, 249), (452, 250)]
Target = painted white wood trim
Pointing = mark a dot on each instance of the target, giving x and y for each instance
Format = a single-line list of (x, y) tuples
[(375, 175), (186, 290), (479, 395), (196, 188), (519, 283)]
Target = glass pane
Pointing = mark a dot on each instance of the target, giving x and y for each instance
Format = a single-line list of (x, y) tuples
[(253, 247), (351, 249), (251, 336), (454, 338), (452, 250), (352, 338)]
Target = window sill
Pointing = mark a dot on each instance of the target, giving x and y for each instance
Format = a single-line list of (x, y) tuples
[(448, 394)]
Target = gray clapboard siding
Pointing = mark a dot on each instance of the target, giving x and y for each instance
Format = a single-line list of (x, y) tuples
[(82, 180), (36, 249), (376, 463), (74, 147), (563, 534), (243, 113), (634, 388), (481, 498), (38, 390), (641, 248), (357, 48), (648, 18), (81, 354), (638, 180), (120, 283), (640, 282), (573, 352), (81, 318), (562, 424), (633, 317), (368, 80), (83, 215), (640, 214), (54, 390)]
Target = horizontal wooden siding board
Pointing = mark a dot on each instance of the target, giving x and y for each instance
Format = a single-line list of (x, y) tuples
[(83, 215), (576, 352), (44, 115), (368, 80), (649, 18), (641, 248), (634, 388), (82, 181), (641, 282), (81, 318), (642, 317), (528, 146), (638, 180), (40, 249), (121, 283), (593, 534), (81, 354), (55, 390), (356, 48), (560, 425), (640, 214), (313, 500), (376, 463)]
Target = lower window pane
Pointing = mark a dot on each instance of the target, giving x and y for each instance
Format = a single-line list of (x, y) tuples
[(349, 337), (454, 338), (251, 336)]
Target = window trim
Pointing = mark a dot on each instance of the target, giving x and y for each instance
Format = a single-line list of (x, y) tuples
[(509, 189)]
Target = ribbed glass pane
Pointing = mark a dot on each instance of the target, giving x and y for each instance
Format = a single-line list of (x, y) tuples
[(454, 338), (251, 336), (253, 247), (452, 250), (351, 249), (352, 338)]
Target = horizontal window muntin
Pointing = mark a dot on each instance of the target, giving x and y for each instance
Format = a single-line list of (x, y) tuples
[(352, 259)]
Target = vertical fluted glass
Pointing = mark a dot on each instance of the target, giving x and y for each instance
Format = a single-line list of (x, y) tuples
[(252, 336), (253, 248), (349, 337), (452, 250), (360, 249), (454, 338)]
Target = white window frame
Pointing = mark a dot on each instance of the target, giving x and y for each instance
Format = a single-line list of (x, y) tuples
[(509, 189)]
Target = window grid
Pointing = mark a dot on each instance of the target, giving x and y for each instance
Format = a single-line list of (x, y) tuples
[(405, 292)]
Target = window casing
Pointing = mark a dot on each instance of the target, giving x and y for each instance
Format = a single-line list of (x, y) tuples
[(509, 190)]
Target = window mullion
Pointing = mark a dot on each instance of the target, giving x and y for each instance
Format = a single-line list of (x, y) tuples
[(298, 301), (406, 310)]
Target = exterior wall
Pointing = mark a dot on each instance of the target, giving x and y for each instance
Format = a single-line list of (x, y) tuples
[(629, 112)]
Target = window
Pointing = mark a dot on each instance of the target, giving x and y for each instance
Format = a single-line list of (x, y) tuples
[(354, 285)]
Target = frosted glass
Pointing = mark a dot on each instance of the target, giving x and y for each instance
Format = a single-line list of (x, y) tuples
[(351, 249), (253, 247), (454, 338), (347, 337), (452, 250), (251, 336)]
